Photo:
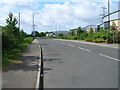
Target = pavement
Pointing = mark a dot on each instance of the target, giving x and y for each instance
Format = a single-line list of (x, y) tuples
[(69, 64), (23, 75)]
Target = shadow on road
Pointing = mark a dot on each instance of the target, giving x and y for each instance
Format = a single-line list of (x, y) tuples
[(51, 59)]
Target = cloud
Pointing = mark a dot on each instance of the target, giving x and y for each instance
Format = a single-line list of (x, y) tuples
[(70, 14)]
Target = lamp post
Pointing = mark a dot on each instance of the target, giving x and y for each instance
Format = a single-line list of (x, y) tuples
[(19, 20), (33, 34), (55, 26), (19, 24), (33, 27)]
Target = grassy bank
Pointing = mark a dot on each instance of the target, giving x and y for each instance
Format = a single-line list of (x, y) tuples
[(10, 55)]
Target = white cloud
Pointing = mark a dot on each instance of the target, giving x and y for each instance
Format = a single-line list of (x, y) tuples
[(70, 14)]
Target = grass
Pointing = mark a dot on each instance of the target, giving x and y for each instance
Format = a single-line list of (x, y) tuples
[(10, 55)]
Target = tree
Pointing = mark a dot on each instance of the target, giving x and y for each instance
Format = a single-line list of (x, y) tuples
[(79, 31), (11, 21), (42, 34), (72, 32), (91, 31), (10, 28), (60, 35), (22, 34), (10, 33), (36, 33)]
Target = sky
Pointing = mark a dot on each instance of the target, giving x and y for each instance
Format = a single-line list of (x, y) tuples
[(52, 15)]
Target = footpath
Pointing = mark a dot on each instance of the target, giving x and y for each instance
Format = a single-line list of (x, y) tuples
[(23, 75)]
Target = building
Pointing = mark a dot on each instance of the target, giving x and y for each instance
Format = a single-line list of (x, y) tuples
[(49, 34), (119, 15), (114, 17), (56, 33), (94, 27)]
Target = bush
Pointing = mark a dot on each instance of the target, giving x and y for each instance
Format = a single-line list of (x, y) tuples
[(76, 37), (28, 39), (89, 39), (99, 40)]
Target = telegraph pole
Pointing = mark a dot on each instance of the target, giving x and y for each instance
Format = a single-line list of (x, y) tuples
[(104, 12), (108, 16)]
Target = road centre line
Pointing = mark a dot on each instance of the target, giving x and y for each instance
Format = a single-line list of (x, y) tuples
[(81, 48), (87, 50), (70, 45), (84, 49), (109, 57)]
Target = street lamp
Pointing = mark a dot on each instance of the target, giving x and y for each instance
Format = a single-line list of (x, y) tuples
[(55, 26), (33, 34)]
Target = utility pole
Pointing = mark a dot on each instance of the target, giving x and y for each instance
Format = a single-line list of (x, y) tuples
[(104, 12), (108, 16), (103, 8)]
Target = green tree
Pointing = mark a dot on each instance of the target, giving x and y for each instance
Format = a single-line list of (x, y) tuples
[(37, 34), (42, 34), (11, 21), (10, 28), (72, 32), (91, 31), (60, 35), (79, 31), (10, 33), (22, 34)]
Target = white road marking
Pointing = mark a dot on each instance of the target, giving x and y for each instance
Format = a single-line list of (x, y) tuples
[(84, 49), (81, 48), (70, 45), (109, 57), (38, 75), (99, 53), (87, 50)]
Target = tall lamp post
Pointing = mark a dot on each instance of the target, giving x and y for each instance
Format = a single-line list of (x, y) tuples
[(55, 26), (19, 20), (33, 27), (19, 24), (33, 34)]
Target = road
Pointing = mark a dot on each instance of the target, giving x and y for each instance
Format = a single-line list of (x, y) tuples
[(77, 65)]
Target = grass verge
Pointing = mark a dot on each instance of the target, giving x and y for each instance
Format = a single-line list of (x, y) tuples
[(10, 55)]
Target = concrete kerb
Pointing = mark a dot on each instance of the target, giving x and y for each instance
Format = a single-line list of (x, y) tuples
[(39, 65), (98, 44)]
